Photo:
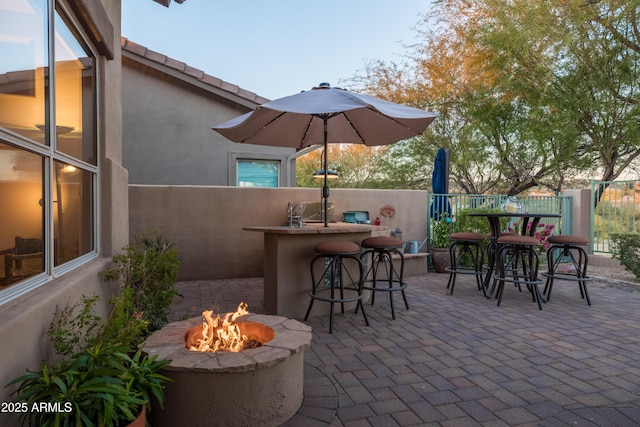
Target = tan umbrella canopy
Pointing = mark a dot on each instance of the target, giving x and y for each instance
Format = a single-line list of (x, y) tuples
[(326, 115)]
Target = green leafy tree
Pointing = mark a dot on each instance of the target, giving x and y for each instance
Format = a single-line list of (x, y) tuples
[(531, 93)]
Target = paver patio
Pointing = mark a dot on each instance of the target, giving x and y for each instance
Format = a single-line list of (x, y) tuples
[(459, 360)]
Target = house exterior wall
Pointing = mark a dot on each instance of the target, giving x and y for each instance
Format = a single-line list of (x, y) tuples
[(206, 222), (25, 320), (167, 135)]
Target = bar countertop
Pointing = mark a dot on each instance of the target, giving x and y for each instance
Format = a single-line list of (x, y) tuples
[(319, 228)]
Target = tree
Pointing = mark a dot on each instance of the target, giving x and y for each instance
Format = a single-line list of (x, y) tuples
[(531, 93), (357, 166), (580, 59)]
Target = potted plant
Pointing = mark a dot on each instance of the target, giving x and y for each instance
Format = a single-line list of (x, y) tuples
[(99, 386), (441, 228), (101, 380)]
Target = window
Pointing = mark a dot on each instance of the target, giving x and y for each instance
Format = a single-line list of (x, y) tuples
[(48, 145), (258, 173)]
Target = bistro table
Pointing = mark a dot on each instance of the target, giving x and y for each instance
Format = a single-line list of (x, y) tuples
[(526, 227), (287, 256)]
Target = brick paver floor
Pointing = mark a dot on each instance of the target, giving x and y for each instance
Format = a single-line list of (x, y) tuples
[(459, 360)]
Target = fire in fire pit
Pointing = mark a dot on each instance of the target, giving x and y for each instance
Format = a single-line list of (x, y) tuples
[(225, 334), (257, 387)]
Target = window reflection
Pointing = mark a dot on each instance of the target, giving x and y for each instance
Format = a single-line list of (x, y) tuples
[(44, 198), (21, 216), (23, 66), (72, 212), (74, 95)]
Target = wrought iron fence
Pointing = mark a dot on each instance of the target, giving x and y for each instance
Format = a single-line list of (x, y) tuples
[(615, 209)]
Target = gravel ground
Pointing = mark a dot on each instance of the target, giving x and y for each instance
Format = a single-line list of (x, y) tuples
[(621, 274), (619, 278)]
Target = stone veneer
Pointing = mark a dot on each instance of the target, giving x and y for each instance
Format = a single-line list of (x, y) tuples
[(256, 387)]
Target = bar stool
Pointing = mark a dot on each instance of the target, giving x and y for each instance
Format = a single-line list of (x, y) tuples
[(470, 244), (563, 247), (381, 249), (333, 253), (512, 250)]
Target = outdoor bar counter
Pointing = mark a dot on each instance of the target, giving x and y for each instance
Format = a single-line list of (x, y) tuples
[(287, 255)]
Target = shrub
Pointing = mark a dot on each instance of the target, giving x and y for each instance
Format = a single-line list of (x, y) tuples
[(626, 248), (77, 327), (148, 270)]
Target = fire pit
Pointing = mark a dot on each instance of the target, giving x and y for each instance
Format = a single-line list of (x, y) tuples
[(261, 386)]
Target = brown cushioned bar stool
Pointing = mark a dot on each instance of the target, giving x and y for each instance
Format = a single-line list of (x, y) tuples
[(466, 247), (567, 250), (337, 280), (518, 263), (382, 269)]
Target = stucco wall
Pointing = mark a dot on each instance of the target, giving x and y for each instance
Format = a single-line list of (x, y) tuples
[(26, 319), (206, 222), (167, 135)]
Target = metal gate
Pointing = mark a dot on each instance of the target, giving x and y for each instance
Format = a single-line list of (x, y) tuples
[(615, 209)]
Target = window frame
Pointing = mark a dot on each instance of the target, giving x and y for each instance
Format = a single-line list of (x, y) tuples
[(235, 157), (51, 154)]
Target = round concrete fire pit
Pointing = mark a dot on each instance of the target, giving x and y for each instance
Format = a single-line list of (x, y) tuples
[(257, 387)]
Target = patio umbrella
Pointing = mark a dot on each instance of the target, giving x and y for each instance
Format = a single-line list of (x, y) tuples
[(326, 115), (440, 185)]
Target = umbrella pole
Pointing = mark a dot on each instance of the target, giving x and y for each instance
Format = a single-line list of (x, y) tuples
[(325, 188)]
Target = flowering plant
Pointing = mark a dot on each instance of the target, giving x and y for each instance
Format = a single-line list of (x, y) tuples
[(541, 233)]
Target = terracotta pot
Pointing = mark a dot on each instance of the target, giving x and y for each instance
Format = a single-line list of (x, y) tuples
[(440, 259), (141, 421)]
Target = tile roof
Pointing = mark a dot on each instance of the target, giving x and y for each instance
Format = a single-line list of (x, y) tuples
[(190, 72)]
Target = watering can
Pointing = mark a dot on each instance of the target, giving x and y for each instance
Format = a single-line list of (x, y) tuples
[(413, 246)]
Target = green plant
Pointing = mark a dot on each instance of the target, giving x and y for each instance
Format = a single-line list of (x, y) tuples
[(125, 325), (149, 268), (440, 230), (477, 224), (626, 248), (98, 386), (77, 326)]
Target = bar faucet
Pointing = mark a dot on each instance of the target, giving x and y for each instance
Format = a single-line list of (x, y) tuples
[(290, 212)]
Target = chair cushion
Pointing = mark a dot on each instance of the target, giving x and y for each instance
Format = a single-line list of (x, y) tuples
[(567, 239), (381, 242), (516, 239), (502, 233), (462, 235), (337, 247)]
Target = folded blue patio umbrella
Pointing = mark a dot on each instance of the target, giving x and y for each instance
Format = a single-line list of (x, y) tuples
[(440, 185)]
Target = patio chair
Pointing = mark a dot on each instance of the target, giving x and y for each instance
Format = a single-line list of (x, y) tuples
[(518, 263), (567, 248), (381, 250), (464, 247), (332, 254)]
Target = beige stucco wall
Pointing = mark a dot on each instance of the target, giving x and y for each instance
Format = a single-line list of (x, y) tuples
[(581, 225), (26, 319), (206, 222)]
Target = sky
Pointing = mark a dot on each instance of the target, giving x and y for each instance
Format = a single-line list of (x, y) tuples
[(276, 48)]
